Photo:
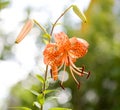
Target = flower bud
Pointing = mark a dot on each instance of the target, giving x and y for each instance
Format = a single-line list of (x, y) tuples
[(25, 30)]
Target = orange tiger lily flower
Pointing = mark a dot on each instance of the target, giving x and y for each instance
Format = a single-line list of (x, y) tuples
[(64, 52)]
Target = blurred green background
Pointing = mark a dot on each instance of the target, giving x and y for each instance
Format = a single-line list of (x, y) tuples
[(102, 90)]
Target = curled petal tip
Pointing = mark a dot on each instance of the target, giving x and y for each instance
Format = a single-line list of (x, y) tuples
[(84, 42)]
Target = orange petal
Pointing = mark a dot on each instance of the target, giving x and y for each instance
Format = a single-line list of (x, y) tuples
[(60, 38), (54, 72), (79, 47), (62, 41), (25, 30), (50, 54), (84, 42)]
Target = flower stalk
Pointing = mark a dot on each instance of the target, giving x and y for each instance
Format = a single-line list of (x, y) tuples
[(59, 19), (38, 24)]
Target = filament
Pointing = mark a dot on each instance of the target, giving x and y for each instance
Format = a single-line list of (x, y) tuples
[(74, 76)]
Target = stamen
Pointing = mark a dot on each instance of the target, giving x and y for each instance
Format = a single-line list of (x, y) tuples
[(62, 86), (88, 75), (79, 72), (77, 69), (60, 67), (74, 76), (68, 60), (63, 76), (83, 68), (85, 72)]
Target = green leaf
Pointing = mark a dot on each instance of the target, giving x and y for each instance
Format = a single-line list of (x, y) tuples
[(79, 13), (36, 104), (51, 98), (60, 109), (46, 38), (45, 41), (41, 99), (4, 4), (49, 91), (40, 78), (34, 92), (46, 35), (40, 26), (20, 108)]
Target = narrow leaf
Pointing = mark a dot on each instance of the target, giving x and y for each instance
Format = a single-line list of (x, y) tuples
[(49, 91), (46, 35), (20, 108), (41, 27), (40, 78), (41, 99), (34, 92), (79, 13), (36, 104), (60, 109), (45, 41), (51, 98), (4, 4)]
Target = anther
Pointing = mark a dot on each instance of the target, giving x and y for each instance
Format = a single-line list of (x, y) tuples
[(83, 68), (88, 75), (62, 86)]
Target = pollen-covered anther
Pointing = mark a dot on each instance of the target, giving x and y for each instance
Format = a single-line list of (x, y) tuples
[(80, 71), (83, 68), (84, 72), (87, 73)]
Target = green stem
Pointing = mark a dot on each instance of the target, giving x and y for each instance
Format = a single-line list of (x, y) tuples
[(44, 86), (41, 107), (40, 26), (59, 19), (45, 77)]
